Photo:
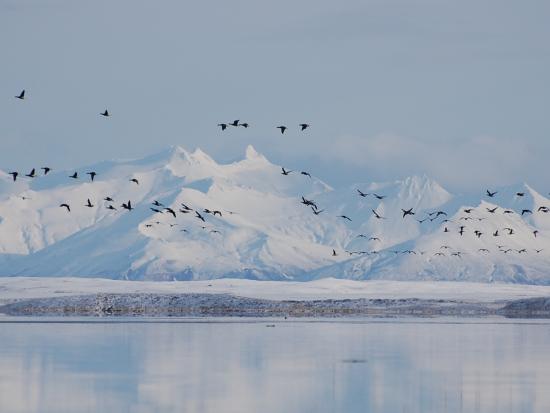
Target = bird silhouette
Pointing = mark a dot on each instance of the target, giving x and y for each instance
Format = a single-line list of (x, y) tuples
[(306, 173), (65, 206), (186, 207), (520, 194), (407, 212), (127, 206), (304, 126), (244, 125), (526, 211), (155, 210), (334, 253), (111, 207), (495, 234), (171, 211), (282, 129), (491, 210), (468, 210), (14, 175), (535, 233), (105, 114), (89, 204), (74, 176), (32, 173), (21, 95), (362, 194), (135, 181), (461, 231), (92, 175), (379, 196), (317, 211), (285, 172), (491, 194), (377, 215), (235, 123), (46, 170), (345, 217), (223, 126), (108, 199), (199, 216)]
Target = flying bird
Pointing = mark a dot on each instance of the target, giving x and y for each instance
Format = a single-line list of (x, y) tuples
[(535, 233), (377, 215), (526, 211), (317, 211), (111, 207), (74, 176), (285, 172), (235, 123), (32, 174), (92, 175), (520, 193), (362, 194), (491, 194), (407, 212), (223, 126), (379, 196), (199, 216), (155, 210), (244, 125), (345, 217), (334, 253), (105, 114), (305, 173), (46, 170), (171, 211), (21, 95), (491, 210), (135, 181), (127, 206), (157, 203), (282, 128), (65, 206), (14, 175), (304, 126), (108, 199), (89, 204)]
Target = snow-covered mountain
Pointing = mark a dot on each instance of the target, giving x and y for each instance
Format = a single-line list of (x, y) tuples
[(264, 231)]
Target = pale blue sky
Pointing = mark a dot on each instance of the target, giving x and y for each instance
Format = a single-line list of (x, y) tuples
[(456, 89)]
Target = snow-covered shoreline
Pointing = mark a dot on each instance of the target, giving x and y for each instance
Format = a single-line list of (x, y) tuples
[(327, 297)]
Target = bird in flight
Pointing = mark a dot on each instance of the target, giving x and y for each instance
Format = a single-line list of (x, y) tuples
[(65, 206), (156, 210), (491, 210), (92, 175), (377, 215), (32, 174), (345, 217), (304, 126), (108, 199), (535, 233), (526, 211), (14, 175), (111, 207), (282, 128), (407, 212), (379, 196), (235, 122), (74, 176), (105, 114), (520, 193), (199, 216), (127, 206), (157, 203), (21, 95), (362, 194), (491, 194), (285, 172), (46, 170), (223, 126), (306, 173), (317, 211), (171, 211), (89, 204), (135, 181), (468, 210), (334, 253), (244, 125)]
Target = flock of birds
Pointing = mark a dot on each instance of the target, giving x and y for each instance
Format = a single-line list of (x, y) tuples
[(470, 214)]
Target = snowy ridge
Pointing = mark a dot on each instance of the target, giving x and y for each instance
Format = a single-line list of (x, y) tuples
[(264, 231)]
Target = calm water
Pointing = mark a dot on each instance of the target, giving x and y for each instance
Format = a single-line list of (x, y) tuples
[(292, 367)]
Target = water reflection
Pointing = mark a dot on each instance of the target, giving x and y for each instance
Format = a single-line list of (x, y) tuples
[(294, 367)]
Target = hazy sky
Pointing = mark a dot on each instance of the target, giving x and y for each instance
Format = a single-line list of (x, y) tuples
[(459, 90)]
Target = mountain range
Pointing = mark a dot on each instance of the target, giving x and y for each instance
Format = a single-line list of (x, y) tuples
[(264, 231)]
